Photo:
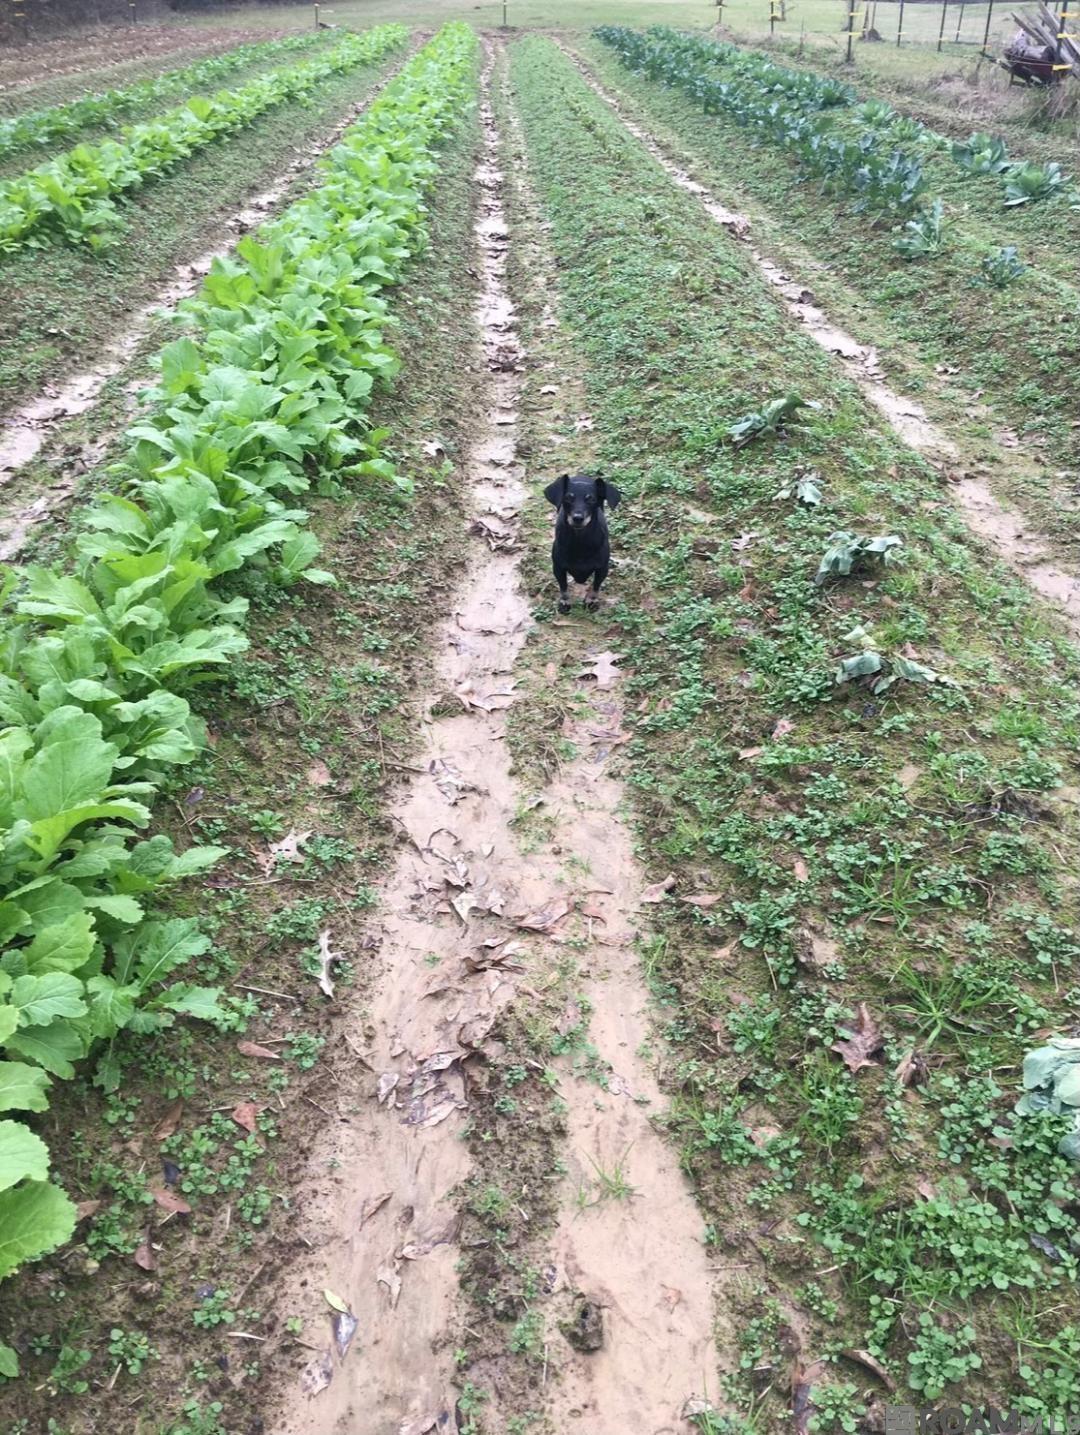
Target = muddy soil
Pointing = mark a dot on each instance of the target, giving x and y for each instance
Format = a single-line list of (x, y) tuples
[(628, 1272), (110, 47), (1027, 552)]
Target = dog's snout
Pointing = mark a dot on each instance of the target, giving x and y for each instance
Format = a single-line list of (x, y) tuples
[(579, 519)]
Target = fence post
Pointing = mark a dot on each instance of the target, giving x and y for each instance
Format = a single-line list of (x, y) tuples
[(986, 32), (850, 29), (960, 21), (941, 32), (900, 24), (131, 9), (316, 14)]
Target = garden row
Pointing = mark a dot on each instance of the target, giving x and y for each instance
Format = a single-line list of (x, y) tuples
[(938, 326), (57, 122), (863, 154), (869, 926), (271, 385), (72, 196)]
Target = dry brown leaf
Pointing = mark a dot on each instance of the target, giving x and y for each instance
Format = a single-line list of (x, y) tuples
[(782, 728), (246, 1115), (862, 1041), (802, 872), (423, 1245), (745, 753), (863, 1357), (318, 774), (911, 1069), (288, 849), (168, 1202), (170, 1120), (252, 1048), (703, 899), (388, 1276), (604, 669), (548, 916), (424, 1424), (657, 891), (317, 1373), (801, 1405), (86, 1209), (432, 448), (926, 1189), (144, 1257), (371, 1206)]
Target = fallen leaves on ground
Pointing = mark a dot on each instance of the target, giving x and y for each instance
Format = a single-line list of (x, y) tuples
[(252, 1048), (547, 916), (703, 899), (170, 1120), (175, 1205), (317, 1373), (604, 668), (371, 1205), (863, 1357), (335, 1302), (388, 1276), (911, 1069), (144, 1257), (657, 891), (344, 1325), (863, 1039), (318, 774), (245, 1115)]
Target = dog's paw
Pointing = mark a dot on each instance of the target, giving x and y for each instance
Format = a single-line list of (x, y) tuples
[(592, 600), (564, 605)]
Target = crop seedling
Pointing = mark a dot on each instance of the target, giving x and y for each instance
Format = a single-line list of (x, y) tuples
[(768, 422), (924, 235), (1003, 267), (981, 154)]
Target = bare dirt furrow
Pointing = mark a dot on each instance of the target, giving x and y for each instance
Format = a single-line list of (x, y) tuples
[(1027, 552), (38, 425)]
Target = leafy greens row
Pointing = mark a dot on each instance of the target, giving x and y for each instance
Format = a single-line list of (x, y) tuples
[(787, 107), (72, 196), (272, 382), (42, 127)]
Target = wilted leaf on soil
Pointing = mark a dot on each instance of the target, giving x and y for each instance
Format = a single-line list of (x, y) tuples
[(494, 954), (245, 1115), (317, 1373), (371, 1206), (170, 1120), (85, 1209), (387, 1083), (423, 1245), (911, 1069), (424, 1424), (703, 899), (782, 728), (604, 669), (252, 1048), (863, 1039), (344, 1327), (657, 891), (144, 1257), (318, 774), (388, 1276), (334, 1301), (802, 872), (176, 1205), (327, 957), (548, 916), (863, 1357), (745, 753), (432, 448), (288, 849)]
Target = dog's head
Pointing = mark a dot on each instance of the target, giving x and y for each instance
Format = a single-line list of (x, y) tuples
[(581, 497)]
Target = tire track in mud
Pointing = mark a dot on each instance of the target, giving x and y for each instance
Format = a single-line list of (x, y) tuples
[(30, 429), (383, 1229), (1027, 552)]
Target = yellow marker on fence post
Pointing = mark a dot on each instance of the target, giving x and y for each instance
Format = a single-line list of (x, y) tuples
[(776, 12), (986, 32), (18, 12), (850, 29), (131, 11), (900, 24)]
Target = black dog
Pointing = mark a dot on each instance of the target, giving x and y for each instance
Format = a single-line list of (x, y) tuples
[(582, 549)]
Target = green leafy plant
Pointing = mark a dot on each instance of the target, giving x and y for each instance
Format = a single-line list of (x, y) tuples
[(854, 552), (981, 154), (803, 488), (768, 421), (1028, 183), (1052, 1083), (1003, 267), (924, 235)]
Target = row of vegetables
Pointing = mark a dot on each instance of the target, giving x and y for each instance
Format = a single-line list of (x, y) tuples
[(881, 163), (58, 122), (271, 383), (73, 196)]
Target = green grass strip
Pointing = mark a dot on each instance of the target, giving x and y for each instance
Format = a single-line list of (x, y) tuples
[(910, 846)]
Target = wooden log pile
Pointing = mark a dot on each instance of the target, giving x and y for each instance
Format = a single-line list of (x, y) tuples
[(1040, 51)]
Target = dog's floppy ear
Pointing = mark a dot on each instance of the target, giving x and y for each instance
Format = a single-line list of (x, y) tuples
[(556, 492), (607, 492)]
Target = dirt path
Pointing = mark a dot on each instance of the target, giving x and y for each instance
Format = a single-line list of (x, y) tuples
[(383, 1233), (37, 425), (1027, 552)]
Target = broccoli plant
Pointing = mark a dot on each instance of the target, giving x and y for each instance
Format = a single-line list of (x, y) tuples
[(768, 421), (853, 552)]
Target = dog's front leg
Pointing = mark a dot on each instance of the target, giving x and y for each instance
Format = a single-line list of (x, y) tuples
[(592, 597), (561, 576)]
